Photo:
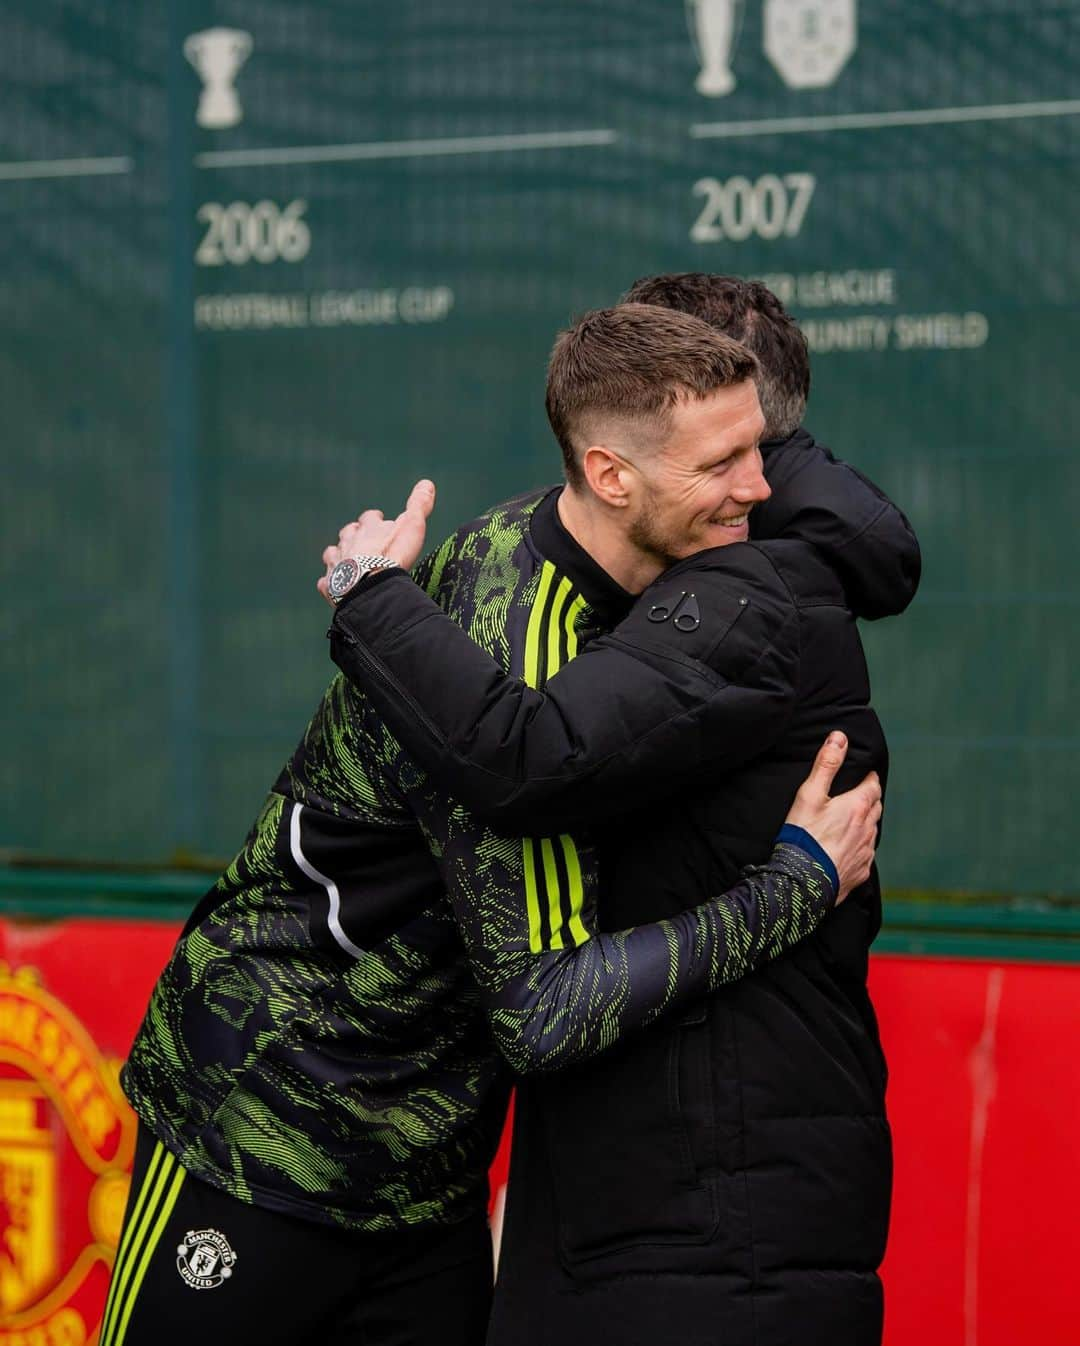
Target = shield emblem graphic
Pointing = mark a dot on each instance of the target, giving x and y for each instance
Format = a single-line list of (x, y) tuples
[(810, 41)]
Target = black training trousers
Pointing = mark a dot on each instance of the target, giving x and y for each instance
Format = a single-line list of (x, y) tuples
[(196, 1265)]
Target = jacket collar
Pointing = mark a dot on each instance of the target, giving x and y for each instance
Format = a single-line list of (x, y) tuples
[(609, 600), (801, 439), (853, 524)]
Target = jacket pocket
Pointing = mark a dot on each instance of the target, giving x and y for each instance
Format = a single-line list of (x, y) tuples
[(630, 1140)]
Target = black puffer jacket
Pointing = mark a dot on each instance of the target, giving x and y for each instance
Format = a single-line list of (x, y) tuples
[(817, 498), (723, 1178)]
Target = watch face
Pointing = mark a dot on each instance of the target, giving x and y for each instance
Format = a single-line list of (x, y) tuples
[(342, 578)]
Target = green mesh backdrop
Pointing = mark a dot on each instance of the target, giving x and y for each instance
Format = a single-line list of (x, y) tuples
[(263, 264)]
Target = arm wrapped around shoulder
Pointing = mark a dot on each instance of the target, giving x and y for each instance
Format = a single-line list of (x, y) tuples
[(700, 677), (867, 539)]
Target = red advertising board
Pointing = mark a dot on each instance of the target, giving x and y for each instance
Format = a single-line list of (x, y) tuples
[(71, 996), (984, 1098)]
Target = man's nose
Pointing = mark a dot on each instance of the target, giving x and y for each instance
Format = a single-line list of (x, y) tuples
[(752, 488)]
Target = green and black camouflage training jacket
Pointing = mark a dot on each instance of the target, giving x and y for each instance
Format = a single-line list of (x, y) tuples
[(330, 1036)]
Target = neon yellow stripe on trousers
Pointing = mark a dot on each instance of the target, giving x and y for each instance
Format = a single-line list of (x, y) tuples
[(150, 1188), (151, 1243)]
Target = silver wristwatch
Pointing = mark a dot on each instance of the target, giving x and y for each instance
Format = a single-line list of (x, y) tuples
[(348, 573)]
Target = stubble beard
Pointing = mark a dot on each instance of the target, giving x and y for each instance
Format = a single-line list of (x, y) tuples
[(649, 537)]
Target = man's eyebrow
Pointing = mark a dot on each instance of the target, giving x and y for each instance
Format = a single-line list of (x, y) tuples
[(726, 457)]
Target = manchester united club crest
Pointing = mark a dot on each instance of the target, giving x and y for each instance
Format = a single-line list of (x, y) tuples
[(28, 1195), (66, 1141), (205, 1259)]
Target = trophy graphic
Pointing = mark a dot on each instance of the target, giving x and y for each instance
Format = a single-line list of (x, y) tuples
[(714, 26), (217, 55)]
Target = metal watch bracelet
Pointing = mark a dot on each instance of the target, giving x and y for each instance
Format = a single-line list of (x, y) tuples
[(350, 571)]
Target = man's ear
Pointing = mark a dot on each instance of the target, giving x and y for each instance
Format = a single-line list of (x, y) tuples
[(607, 475)]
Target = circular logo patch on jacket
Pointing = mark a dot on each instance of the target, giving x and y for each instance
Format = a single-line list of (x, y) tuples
[(205, 1259)]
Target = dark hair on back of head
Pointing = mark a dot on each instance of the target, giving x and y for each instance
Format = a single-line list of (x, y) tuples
[(634, 362), (752, 314)]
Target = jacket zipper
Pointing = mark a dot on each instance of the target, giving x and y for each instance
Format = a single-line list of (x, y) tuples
[(373, 666)]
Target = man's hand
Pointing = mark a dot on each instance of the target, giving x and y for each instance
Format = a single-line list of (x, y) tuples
[(845, 827), (401, 539)]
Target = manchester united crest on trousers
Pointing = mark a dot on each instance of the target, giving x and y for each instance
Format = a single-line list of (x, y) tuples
[(205, 1259)]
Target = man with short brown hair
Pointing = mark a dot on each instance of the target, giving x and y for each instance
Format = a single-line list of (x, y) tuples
[(317, 1077), (723, 1177), (631, 365), (638, 397), (800, 470), (751, 314)]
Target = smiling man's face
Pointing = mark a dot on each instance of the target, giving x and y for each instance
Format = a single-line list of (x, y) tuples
[(697, 490)]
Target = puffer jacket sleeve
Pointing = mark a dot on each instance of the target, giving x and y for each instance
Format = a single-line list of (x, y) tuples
[(868, 540), (698, 679)]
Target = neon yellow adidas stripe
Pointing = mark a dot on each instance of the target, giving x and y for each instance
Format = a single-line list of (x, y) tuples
[(145, 1215), (553, 660), (164, 1212), (542, 641), (532, 634)]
